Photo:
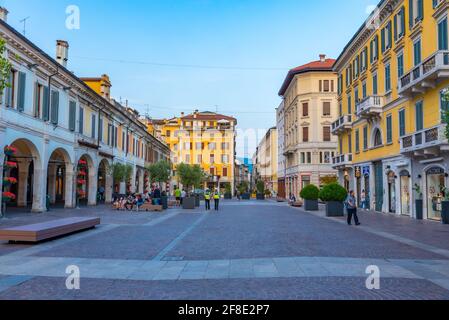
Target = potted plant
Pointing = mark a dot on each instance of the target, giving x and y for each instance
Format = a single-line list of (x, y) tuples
[(8, 181), (8, 196), (10, 150), (418, 202), (160, 172), (260, 189), (243, 189), (268, 193), (310, 194), (228, 191), (334, 196), (190, 177)]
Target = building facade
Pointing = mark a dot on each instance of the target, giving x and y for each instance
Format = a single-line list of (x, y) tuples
[(204, 138), (309, 95), (393, 84), (67, 135), (281, 158), (267, 160)]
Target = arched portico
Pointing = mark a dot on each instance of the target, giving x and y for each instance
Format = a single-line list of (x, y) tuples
[(86, 177), (105, 181), (60, 178)]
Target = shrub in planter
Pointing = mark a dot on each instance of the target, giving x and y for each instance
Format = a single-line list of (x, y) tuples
[(188, 203), (334, 195), (8, 196), (310, 194), (260, 190)]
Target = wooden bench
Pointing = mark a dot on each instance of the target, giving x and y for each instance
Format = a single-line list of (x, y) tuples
[(151, 207), (48, 230)]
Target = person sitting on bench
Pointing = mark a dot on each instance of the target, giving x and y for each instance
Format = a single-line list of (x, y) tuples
[(139, 202)]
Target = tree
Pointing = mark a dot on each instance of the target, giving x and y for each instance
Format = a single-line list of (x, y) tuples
[(191, 176), (243, 187), (160, 171), (121, 172), (5, 67), (328, 180)]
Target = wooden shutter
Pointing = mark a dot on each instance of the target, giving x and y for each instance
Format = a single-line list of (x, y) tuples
[(326, 134), (36, 100), (81, 121), (305, 134), (46, 105), (54, 107), (72, 115), (21, 92), (411, 21), (420, 14)]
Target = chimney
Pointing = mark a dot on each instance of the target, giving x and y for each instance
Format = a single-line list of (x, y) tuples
[(182, 114), (322, 57), (4, 14), (62, 52), (105, 87)]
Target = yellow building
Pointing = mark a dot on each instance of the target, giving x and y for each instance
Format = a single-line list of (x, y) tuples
[(393, 79), (266, 160), (203, 138)]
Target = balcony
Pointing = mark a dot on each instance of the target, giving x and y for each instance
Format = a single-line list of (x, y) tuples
[(342, 124), (342, 161), (425, 75), (370, 107), (427, 142)]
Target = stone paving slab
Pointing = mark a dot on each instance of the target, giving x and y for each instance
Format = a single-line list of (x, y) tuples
[(345, 288)]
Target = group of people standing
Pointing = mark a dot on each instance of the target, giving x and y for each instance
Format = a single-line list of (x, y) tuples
[(180, 195)]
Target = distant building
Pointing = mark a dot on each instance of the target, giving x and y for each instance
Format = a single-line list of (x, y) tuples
[(280, 155), (266, 160)]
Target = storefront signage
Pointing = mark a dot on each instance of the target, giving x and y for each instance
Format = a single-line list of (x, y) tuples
[(366, 171), (404, 173), (358, 172)]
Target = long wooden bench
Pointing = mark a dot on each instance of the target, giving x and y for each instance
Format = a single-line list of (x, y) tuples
[(151, 207), (48, 230)]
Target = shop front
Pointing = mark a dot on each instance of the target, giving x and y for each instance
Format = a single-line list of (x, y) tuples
[(435, 192), (391, 179), (405, 185)]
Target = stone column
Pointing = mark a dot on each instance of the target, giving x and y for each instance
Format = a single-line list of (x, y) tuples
[(39, 188), (109, 188), (141, 178), (52, 182), (70, 187), (22, 183), (92, 187), (133, 179)]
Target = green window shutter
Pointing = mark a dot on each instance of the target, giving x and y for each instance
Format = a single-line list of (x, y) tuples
[(54, 107), (100, 129), (382, 40), (402, 123), (395, 28), (389, 130), (81, 121), (36, 100), (402, 21), (21, 92), (419, 116), (411, 21), (420, 14), (72, 115), (390, 39), (94, 123), (45, 105), (443, 35)]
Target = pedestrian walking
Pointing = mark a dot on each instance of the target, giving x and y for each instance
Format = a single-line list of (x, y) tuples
[(217, 199), (207, 197), (178, 194), (351, 208)]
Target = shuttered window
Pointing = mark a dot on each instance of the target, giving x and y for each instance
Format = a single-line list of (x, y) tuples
[(305, 134), (46, 104), (419, 116), (21, 92), (442, 35), (417, 52), (326, 134), (93, 126), (326, 109), (81, 121), (305, 109), (402, 123), (389, 129), (72, 115), (54, 107), (100, 129), (357, 141), (365, 138)]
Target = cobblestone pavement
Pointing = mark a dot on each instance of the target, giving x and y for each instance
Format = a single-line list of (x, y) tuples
[(249, 250)]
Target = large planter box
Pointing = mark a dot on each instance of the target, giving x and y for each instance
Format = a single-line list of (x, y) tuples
[(445, 212), (246, 196), (311, 205), (335, 209), (197, 200), (260, 196), (419, 209), (228, 196), (164, 203), (188, 203)]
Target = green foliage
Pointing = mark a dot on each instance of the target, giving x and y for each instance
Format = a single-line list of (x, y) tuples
[(333, 192), (310, 192), (328, 180), (160, 171), (228, 188), (417, 189), (121, 172), (260, 187), (5, 67), (243, 187), (268, 192), (191, 176)]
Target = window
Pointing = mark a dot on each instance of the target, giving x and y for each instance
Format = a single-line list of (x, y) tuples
[(417, 52), (11, 90), (212, 171), (419, 116), (80, 120), (327, 157), (224, 158), (364, 92), (38, 92), (389, 129), (199, 146), (326, 86), (100, 128), (356, 96), (416, 12), (305, 109), (364, 59), (309, 157), (402, 123), (54, 107), (387, 78), (375, 91), (168, 133), (326, 134), (187, 158), (385, 37), (400, 65), (305, 134), (365, 138), (326, 109), (399, 24), (377, 138), (225, 172), (357, 141), (374, 49), (72, 115), (94, 123), (356, 67), (212, 158), (199, 159), (349, 105), (349, 143), (444, 102), (212, 146), (442, 35)]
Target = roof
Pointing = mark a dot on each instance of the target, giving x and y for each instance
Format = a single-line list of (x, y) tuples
[(314, 66), (207, 116)]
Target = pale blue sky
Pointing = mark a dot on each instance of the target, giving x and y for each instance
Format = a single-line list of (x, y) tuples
[(231, 55)]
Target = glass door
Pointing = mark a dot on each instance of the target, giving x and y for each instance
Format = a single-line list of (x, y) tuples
[(435, 192), (405, 194)]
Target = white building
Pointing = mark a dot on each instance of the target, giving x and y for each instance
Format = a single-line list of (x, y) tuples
[(280, 155), (55, 120)]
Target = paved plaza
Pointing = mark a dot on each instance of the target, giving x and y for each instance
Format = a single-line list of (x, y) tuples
[(249, 250)]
